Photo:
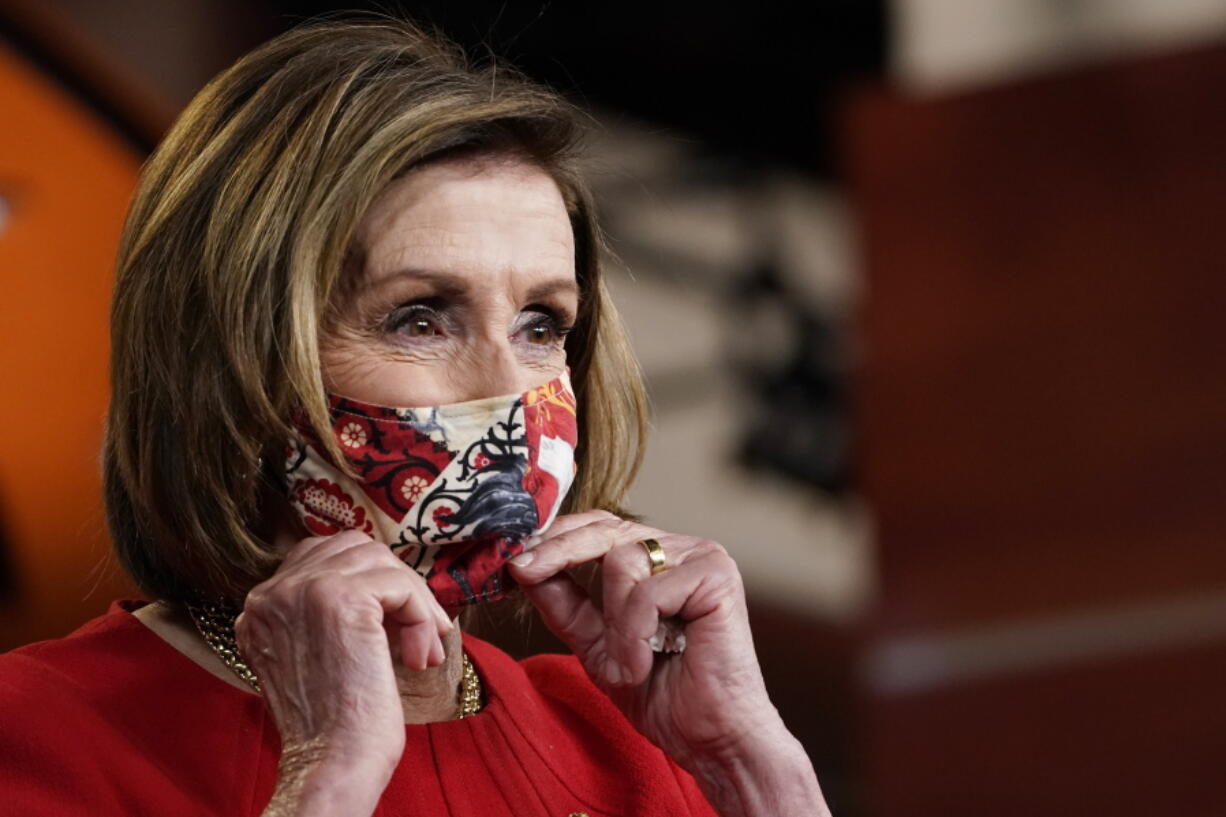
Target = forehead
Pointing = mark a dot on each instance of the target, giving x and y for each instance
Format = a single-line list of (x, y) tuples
[(481, 218)]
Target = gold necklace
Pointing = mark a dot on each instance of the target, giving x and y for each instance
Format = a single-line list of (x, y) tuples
[(215, 621)]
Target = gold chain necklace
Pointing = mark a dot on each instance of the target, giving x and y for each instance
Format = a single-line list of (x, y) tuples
[(215, 621)]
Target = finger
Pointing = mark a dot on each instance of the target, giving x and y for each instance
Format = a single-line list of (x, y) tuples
[(436, 653), (310, 550), (420, 646), (575, 547), (624, 568), (253, 638), (568, 522), (242, 631), (569, 614), (628, 564), (359, 557), (404, 596), (701, 587)]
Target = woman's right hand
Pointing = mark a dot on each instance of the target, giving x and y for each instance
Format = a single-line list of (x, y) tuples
[(318, 633)]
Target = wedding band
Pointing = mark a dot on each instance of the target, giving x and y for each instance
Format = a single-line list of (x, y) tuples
[(656, 554)]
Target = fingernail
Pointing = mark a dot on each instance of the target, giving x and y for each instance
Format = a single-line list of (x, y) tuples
[(613, 673), (523, 559), (532, 541)]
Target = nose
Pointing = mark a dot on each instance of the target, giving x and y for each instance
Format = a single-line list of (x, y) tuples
[(497, 370)]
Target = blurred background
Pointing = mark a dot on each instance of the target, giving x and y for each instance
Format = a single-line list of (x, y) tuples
[(930, 295)]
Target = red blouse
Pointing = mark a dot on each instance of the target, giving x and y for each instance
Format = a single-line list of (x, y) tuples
[(112, 720)]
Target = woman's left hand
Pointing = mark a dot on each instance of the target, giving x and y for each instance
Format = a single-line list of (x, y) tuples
[(706, 706)]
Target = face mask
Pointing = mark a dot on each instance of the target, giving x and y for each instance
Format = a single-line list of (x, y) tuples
[(454, 489)]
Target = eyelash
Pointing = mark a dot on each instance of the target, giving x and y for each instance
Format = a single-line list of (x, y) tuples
[(404, 314)]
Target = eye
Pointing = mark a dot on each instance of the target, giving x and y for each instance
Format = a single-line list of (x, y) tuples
[(542, 333), (415, 320), (418, 327), (547, 329)]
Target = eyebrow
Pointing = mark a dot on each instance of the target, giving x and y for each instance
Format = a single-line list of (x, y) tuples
[(452, 285)]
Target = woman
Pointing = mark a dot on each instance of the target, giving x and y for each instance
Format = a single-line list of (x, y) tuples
[(349, 222)]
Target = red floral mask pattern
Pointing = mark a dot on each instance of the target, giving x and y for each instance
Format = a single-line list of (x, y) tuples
[(453, 489)]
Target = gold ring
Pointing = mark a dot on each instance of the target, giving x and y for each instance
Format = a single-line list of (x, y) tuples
[(655, 553)]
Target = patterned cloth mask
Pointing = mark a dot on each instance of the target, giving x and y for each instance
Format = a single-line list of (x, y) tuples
[(454, 489)]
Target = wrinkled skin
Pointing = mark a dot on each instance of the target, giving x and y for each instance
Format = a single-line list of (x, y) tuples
[(466, 288)]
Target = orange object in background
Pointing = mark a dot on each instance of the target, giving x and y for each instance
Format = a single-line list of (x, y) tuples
[(65, 179)]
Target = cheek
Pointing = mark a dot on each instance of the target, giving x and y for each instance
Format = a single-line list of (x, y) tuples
[(347, 366), (552, 360), (354, 366), (363, 368), (382, 374)]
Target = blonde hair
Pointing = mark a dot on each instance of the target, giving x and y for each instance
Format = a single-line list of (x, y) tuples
[(233, 248)]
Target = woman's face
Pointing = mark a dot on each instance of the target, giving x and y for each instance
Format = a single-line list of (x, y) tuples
[(466, 288)]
